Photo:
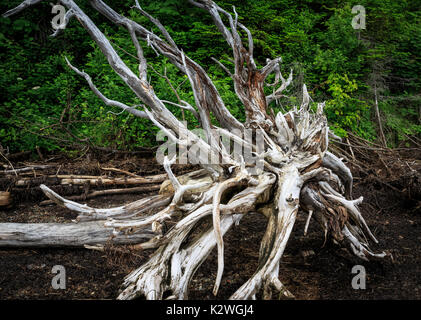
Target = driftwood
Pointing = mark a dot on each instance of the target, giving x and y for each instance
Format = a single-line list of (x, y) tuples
[(5, 199), (282, 165), (66, 234), (99, 193), (91, 180), (121, 171), (30, 168)]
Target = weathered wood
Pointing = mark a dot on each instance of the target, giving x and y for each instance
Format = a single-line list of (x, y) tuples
[(5, 199), (93, 180), (99, 193), (128, 210), (297, 171), (30, 168), (66, 235)]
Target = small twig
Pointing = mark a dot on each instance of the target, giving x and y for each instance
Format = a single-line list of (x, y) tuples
[(30, 168), (120, 170)]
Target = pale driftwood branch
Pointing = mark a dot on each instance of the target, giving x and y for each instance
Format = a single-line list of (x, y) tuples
[(278, 93), (95, 180), (333, 163), (158, 24), (210, 93), (30, 168), (296, 172), (223, 67), (185, 105), (20, 7), (99, 193), (143, 66), (184, 262), (69, 14), (182, 104), (248, 81), (66, 235)]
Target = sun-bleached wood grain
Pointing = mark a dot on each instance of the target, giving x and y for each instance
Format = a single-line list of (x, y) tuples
[(298, 172)]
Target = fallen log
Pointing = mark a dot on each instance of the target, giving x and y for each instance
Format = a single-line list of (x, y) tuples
[(67, 235), (98, 193)]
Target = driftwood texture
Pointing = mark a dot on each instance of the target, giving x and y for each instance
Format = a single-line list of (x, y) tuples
[(292, 167)]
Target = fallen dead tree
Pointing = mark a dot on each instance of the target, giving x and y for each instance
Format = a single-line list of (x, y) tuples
[(5, 199), (283, 165)]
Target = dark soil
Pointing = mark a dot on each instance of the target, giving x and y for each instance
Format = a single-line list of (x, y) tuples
[(308, 269)]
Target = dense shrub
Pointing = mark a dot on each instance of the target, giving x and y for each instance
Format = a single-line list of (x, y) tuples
[(43, 103)]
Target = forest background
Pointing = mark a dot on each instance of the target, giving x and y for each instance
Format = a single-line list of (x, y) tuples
[(44, 104)]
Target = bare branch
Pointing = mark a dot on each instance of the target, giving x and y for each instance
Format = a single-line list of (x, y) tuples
[(248, 80), (209, 92), (204, 111), (185, 105), (69, 14), (223, 67), (108, 102), (284, 84), (270, 66), (296, 171), (158, 24), (142, 61), (141, 88), (250, 44)]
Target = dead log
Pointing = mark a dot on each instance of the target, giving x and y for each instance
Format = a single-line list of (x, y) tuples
[(121, 171), (278, 164), (91, 180), (45, 235)]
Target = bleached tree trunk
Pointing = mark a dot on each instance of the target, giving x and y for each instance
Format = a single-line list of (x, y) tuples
[(290, 168), (379, 120), (66, 235)]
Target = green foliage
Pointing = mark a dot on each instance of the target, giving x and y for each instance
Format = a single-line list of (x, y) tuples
[(43, 103)]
